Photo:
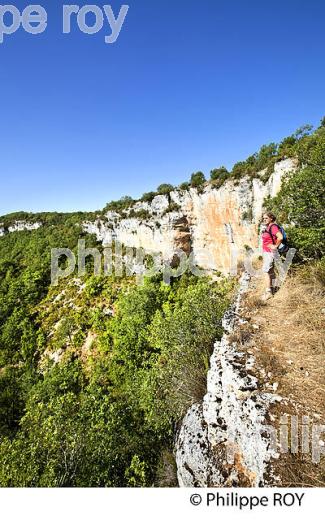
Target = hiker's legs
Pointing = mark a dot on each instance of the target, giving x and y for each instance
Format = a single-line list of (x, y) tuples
[(270, 279), (268, 269)]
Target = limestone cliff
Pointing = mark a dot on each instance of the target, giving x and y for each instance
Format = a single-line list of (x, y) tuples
[(215, 225)]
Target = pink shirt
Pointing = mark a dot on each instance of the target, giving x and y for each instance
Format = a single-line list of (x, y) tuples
[(266, 237)]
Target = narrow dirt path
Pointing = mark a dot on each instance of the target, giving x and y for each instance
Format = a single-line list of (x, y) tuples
[(286, 337)]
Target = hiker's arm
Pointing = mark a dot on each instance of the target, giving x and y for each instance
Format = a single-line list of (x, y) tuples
[(279, 238)]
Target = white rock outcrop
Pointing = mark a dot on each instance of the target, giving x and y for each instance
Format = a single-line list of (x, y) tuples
[(20, 225)]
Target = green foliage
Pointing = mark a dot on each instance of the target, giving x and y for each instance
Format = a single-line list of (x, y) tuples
[(287, 147), (136, 473), (24, 282), (148, 197), (15, 383), (264, 158), (47, 219), (141, 214), (197, 179), (128, 329), (182, 334), (119, 205), (309, 242), (173, 206), (76, 435), (219, 174), (106, 423), (94, 286), (165, 189), (239, 170), (311, 150), (184, 186), (300, 202), (303, 131)]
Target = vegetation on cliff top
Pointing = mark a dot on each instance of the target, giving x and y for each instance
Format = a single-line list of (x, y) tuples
[(259, 165)]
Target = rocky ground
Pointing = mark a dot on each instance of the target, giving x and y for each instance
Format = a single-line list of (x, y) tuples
[(258, 423)]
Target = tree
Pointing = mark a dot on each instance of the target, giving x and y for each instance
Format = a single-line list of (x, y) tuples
[(149, 196), (197, 179), (287, 147), (165, 189), (184, 186), (300, 204), (311, 150), (239, 170), (266, 155), (119, 205), (219, 173), (303, 131)]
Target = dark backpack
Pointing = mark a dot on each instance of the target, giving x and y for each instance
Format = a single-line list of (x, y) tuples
[(284, 246)]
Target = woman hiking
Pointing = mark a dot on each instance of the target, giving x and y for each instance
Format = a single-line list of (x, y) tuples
[(271, 240)]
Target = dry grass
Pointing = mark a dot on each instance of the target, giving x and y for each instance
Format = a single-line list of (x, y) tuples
[(288, 342)]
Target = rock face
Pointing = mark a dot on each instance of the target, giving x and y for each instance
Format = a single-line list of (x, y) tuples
[(216, 226), (20, 225), (223, 441)]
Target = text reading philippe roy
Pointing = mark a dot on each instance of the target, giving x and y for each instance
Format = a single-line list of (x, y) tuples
[(249, 502)]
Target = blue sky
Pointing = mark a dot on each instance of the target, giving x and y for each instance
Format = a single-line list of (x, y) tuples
[(189, 85)]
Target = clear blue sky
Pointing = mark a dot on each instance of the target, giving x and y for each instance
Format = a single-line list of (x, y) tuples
[(189, 85)]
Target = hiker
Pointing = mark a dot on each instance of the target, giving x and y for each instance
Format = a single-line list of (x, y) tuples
[(271, 239)]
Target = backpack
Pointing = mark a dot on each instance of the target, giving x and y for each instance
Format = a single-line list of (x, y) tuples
[(284, 246)]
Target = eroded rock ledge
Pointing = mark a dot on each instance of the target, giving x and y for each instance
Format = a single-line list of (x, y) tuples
[(223, 441)]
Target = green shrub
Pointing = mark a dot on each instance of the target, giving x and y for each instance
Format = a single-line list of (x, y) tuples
[(173, 206), (309, 242), (239, 170), (197, 179), (266, 156), (119, 205), (184, 186), (287, 147), (219, 174), (141, 214), (300, 202), (148, 197), (165, 189), (182, 335), (301, 199)]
